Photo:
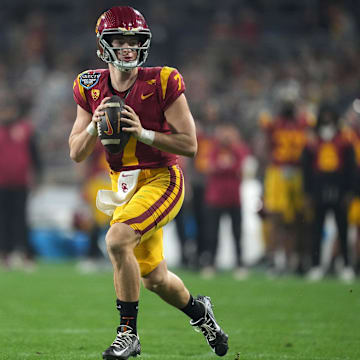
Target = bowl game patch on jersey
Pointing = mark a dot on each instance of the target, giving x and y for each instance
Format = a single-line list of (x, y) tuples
[(89, 79)]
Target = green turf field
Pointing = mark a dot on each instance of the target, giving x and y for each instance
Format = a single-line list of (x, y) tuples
[(57, 313)]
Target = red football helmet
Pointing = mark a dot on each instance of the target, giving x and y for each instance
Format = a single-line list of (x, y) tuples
[(122, 20)]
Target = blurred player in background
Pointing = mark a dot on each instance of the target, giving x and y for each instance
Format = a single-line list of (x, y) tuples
[(328, 167), (145, 174), (185, 237), (95, 223), (352, 129), (283, 194), (20, 171), (222, 194), (205, 126)]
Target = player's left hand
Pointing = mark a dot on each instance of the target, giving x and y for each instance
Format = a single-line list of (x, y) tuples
[(130, 117)]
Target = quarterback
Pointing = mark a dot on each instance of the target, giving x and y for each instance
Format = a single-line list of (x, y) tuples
[(147, 183)]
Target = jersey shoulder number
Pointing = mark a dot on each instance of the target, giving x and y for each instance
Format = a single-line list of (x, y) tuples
[(172, 85)]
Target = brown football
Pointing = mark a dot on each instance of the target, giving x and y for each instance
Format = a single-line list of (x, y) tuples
[(110, 127)]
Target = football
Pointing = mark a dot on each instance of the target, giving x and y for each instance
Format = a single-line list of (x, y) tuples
[(110, 127)]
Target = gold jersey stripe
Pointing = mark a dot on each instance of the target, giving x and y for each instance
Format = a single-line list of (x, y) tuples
[(164, 77), (129, 158), (81, 89)]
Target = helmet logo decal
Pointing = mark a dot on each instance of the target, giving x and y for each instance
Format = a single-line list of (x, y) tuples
[(89, 80), (98, 22), (95, 93)]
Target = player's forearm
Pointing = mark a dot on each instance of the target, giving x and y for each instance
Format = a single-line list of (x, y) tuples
[(179, 144), (81, 145)]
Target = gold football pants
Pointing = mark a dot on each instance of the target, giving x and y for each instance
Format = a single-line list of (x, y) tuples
[(157, 200)]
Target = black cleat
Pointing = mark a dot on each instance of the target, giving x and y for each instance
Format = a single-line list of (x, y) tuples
[(126, 344), (215, 337)]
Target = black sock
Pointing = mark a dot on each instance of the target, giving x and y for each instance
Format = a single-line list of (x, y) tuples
[(194, 309), (128, 314)]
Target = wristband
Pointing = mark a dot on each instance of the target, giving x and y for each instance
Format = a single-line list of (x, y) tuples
[(91, 129), (147, 136)]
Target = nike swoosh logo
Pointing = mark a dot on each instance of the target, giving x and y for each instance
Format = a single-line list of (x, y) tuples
[(144, 97), (118, 353), (109, 130)]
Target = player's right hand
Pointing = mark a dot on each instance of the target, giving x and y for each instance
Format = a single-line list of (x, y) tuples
[(99, 111)]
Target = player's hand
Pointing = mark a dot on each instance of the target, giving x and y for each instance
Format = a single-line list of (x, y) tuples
[(130, 117), (99, 112)]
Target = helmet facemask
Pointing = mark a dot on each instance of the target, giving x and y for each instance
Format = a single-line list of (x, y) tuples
[(109, 52)]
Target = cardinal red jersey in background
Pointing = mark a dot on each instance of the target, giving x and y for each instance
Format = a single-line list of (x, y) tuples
[(16, 157), (224, 179), (286, 139)]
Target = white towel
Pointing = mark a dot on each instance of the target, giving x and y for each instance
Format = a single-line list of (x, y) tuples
[(107, 200)]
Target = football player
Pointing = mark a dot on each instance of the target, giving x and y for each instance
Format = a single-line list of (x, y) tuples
[(228, 156), (161, 127), (21, 170), (328, 166), (283, 195), (352, 130)]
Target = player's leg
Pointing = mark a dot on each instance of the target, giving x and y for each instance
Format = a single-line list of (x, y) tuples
[(303, 241), (199, 210), (276, 203), (347, 274), (166, 189), (121, 240), (212, 233), (240, 272), (172, 290), (354, 221), (316, 272), (167, 285), (236, 227), (133, 243), (20, 229), (357, 251), (5, 226)]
